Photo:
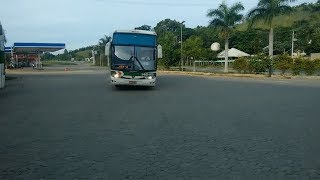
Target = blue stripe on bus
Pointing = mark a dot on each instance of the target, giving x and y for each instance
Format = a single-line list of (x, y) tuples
[(134, 39)]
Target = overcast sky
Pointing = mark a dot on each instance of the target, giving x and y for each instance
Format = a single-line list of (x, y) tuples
[(80, 23)]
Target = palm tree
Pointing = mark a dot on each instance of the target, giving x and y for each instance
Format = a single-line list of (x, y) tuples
[(225, 18), (102, 43), (267, 10), (101, 46)]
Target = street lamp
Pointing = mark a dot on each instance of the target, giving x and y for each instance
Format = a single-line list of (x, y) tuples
[(181, 62)]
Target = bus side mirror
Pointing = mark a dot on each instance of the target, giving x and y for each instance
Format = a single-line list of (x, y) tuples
[(159, 51), (107, 50)]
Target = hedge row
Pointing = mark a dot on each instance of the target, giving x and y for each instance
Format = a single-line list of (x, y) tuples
[(283, 63)]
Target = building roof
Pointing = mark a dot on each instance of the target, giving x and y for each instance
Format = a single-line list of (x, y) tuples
[(233, 52)]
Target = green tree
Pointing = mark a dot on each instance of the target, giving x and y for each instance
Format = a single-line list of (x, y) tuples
[(48, 56), (102, 43), (225, 18), (101, 49), (251, 41), (208, 34), (267, 10), (316, 6), (193, 48), (144, 27), (170, 50), (166, 25)]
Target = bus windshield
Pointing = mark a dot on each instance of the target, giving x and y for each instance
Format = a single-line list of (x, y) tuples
[(142, 58), (124, 52), (146, 57)]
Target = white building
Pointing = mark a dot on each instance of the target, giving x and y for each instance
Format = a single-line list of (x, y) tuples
[(233, 54)]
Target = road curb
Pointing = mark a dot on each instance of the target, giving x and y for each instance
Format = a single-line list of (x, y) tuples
[(254, 76)]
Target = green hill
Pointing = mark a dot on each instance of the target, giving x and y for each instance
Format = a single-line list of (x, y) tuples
[(304, 12)]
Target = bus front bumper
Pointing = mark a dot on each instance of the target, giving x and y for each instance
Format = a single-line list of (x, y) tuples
[(133, 82)]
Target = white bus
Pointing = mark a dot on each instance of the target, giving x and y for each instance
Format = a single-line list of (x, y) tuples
[(133, 56)]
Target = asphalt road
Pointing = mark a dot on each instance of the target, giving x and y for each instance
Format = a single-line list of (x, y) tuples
[(76, 126)]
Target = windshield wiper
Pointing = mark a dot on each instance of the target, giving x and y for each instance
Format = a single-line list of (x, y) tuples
[(138, 62)]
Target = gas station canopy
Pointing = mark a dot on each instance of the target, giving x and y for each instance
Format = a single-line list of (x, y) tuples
[(7, 49), (30, 53), (37, 47)]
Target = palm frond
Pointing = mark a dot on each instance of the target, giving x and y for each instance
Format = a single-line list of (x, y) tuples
[(236, 8), (255, 19), (267, 10), (217, 22), (284, 9), (255, 12), (215, 13)]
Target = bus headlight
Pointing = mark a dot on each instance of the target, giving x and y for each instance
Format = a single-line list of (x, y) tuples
[(150, 77), (116, 75)]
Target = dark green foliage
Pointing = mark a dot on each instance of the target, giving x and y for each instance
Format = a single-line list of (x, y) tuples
[(283, 63), (144, 27), (193, 48), (2, 57), (317, 64), (168, 25), (259, 64), (241, 65), (48, 56), (297, 66), (169, 47), (309, 67), (63, 57), (251, 41)]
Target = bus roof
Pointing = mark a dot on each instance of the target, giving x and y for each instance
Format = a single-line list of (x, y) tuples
[(136, 32)]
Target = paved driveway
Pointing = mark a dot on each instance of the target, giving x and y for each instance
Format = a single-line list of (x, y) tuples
[(76, 126)]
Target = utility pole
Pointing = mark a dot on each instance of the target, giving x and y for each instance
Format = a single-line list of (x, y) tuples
[(181, 61), (292, 44), (93, 56)]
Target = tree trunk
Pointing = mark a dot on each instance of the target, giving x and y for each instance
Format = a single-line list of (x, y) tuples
[(226, 49), (270, 51), (271, 42)]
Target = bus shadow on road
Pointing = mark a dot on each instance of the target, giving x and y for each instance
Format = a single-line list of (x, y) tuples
[(133, 88)]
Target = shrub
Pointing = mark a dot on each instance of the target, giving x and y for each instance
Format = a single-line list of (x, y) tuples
[(317, 64), (297, 66), (258, 64), (309, 67), (241, 64), (283, 63)]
